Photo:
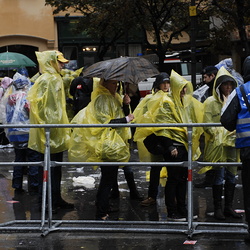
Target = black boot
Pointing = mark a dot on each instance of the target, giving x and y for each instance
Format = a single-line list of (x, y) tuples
[(208, 180), (217, 193), (229, 195), (134, 194)]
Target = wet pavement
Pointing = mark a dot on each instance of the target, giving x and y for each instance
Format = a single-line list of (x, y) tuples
[(134, 235)]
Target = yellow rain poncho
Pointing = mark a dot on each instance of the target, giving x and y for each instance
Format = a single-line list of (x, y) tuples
[(138, 113), (168, 108), (100, 144), (68, 76), (219, 142), (48, 105)]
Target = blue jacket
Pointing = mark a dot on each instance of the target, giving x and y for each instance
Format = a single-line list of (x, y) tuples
[(243, 119)]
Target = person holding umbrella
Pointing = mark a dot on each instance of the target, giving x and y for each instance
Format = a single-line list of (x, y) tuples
[(103, 144)]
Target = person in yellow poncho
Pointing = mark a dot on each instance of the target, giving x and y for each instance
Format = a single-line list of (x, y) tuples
[(103, 144), (48, 106), (179, 107), (220, 145), (162, 83)]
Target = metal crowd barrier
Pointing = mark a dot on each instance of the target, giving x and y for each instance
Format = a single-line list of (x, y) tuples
[(47, 225)]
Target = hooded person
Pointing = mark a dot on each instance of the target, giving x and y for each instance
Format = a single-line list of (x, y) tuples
[(228, 65), (17, 112), (102, 144), (162, 84), (235, 115), (5, 91), (5, 84), (219, 145), (177, 107), (68, 76), (48, 106)]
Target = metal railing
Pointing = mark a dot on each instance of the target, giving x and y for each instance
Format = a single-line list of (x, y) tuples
[(48, 225)]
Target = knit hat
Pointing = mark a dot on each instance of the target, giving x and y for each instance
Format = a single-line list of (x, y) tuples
[(161, 78)]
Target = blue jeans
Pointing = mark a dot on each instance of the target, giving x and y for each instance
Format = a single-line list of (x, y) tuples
[(222, 174), (25, 155)]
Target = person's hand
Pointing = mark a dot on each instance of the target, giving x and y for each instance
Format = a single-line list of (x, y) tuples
[(174, 152), (126, 99), (130, 117)]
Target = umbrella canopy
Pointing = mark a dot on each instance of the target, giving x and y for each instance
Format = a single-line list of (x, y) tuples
[(126, 69), (15, 60)]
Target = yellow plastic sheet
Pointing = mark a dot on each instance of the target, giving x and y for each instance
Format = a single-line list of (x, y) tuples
[(219, 142), (163, 107), (48, 105), (100, 144)]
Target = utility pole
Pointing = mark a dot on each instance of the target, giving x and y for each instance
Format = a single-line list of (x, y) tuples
[(193, 14)]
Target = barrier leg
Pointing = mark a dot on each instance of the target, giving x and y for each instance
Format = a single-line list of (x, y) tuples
[(190, 184)]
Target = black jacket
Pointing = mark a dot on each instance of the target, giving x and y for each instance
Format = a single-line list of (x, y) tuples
[(229, 113)]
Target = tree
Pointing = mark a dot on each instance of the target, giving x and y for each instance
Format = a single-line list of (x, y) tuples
[(105, 21), (162, 20), (235, 15), (110, 20)]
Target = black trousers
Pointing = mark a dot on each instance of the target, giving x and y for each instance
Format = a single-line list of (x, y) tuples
[(176, 186), (245, 176), (108, 178)]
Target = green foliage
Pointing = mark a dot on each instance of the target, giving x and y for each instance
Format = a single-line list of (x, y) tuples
[(166, 19), (234, 15)]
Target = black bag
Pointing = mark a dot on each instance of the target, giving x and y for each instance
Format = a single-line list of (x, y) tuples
[(155, 144), (81, 89)]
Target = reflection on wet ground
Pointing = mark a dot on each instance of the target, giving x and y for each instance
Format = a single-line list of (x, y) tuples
[(25, 206)]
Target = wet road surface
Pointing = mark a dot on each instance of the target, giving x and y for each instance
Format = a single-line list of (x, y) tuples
[(25, 207)]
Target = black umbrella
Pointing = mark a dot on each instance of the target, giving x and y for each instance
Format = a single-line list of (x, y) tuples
[(126, 69)]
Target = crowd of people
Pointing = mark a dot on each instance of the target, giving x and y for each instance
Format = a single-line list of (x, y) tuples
[(45, 99)]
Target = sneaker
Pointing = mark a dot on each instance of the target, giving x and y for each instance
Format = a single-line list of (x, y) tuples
[(148, 202), (176, 217)]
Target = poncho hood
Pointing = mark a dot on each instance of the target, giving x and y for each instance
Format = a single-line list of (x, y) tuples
[(48, 62), (222, 76)]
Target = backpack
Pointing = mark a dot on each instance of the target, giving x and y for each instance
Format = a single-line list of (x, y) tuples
[(81, 89)]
